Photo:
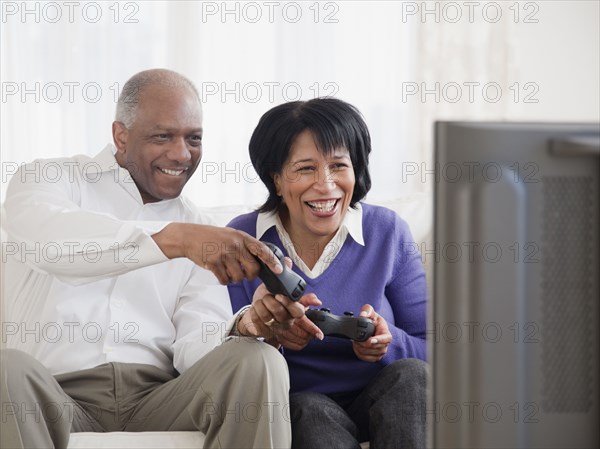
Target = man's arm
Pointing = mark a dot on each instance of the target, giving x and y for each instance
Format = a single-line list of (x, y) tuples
[(227, 252), (50, 232)]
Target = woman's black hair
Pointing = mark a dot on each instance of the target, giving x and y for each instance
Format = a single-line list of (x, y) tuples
[(333, 123)]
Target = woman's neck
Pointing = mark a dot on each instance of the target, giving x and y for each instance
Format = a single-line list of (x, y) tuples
[(308, 246)]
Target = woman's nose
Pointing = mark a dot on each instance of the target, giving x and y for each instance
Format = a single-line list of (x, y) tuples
[(325, 180)]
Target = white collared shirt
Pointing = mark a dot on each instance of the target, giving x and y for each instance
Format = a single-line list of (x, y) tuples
[(85, 282), (351, 225)]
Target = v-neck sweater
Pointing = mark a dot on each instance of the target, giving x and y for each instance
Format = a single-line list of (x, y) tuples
[(386, 273)]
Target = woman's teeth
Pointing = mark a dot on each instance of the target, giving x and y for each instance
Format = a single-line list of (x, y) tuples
[(322, 206)]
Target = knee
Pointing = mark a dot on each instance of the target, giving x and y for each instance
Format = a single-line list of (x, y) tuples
[(315, 407), (18, 369), (413, 371), (260, 358), (308, 402), (17, 363), (416, 366)]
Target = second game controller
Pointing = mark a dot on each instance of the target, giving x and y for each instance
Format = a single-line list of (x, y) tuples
[(346, 326), (287, 283)]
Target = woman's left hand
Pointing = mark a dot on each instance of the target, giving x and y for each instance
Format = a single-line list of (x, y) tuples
[(374, 348)]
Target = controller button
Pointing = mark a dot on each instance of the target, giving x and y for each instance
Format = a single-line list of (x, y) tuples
[(349, 313), (362, 323), (325, 309)]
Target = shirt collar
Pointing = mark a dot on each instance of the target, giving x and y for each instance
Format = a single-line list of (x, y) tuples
[(106, 160), (352, 222)]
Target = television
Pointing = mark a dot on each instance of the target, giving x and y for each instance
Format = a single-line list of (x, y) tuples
[(514, 327)]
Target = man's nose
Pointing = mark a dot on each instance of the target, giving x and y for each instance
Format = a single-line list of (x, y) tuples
[(178, 150)]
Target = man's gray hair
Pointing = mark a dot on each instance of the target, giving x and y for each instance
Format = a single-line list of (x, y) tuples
[(130, 94)]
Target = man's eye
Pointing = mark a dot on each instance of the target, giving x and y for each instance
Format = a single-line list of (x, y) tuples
[(196, 140), (161, 136)]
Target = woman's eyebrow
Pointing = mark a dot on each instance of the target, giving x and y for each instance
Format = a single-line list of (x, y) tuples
[(334, 156), (301, 161)]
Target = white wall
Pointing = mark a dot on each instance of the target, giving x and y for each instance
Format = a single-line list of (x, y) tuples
[(368, 53)]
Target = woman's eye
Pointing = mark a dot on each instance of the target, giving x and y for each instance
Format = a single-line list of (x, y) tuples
[(306, 168)]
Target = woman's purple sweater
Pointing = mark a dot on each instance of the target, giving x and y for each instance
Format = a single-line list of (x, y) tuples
[(386, 273)]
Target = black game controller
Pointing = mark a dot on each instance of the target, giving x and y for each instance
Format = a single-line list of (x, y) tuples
[(286, 283), (346, 326)]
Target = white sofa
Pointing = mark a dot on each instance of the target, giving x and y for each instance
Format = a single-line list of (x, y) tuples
[(416, 209)]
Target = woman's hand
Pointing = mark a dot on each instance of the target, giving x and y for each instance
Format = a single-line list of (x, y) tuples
[(299, 333), (279, 319), (374, 348)]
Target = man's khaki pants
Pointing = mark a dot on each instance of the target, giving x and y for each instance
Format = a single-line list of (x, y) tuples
[(237, 395)]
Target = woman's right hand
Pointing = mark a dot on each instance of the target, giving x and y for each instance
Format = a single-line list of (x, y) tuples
[(280, 320), (301, 331)]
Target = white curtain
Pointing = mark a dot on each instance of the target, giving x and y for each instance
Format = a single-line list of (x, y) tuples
[(403, 64)]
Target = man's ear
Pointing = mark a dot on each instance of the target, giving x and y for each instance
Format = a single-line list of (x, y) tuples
[(119, 132)]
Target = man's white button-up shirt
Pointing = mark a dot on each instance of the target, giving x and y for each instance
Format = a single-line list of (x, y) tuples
[(86, 284)]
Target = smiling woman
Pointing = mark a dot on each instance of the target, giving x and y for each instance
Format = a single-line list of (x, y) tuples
[(313, 158), (316, 190), (318, 154)]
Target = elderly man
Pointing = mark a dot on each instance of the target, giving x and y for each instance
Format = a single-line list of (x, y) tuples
[(114, 319)]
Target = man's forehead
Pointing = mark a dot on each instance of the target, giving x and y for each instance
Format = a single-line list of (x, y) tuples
[(165, 93), (164, 104), (170, 127)]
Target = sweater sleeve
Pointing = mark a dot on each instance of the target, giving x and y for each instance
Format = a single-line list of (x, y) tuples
[(407, 295), (240, 293)]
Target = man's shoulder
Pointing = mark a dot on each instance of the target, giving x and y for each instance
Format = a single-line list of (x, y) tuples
[(53, 165), (70, 169), (192, 213)]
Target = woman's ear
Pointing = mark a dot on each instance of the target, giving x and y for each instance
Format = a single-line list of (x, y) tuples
[(277, 181)]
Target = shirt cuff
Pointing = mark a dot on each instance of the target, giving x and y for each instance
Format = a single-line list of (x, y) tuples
[(150, 227), (147, 251), (231, 327)]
